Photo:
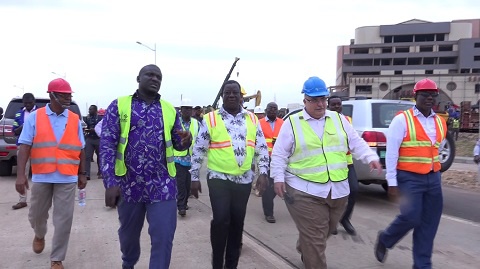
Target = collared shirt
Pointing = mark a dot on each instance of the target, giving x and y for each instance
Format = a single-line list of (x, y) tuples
[(285, 146), (58, 123), (271, 122), (237, 129), (91, 122), (147, 179), (185, 160), (397, 131), (20, 118)]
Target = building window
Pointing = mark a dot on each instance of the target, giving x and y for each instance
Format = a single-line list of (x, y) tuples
[(452, 71), (464, 71), (398, 72), (360, 51), (385, 62), (365, 62), (476, 70), (445, 48), (400, 61), (376, 62), (402, 38), (477, 88), (476, 58), (477, 45), (440, 37), (426, 48), (429, 60), (363, 89), (428, 72), (402, 49), (447, 60), (425, 38), (387, 50), (388, 39), (414, 61)]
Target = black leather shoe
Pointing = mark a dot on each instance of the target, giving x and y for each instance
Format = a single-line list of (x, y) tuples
[(182, 212), (380, 249), (348, 227), (335, 232), (270, 219)]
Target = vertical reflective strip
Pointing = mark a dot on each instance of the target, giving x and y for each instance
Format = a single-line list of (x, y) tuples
[(340, 131), (411, 125), (212, 120), (440, 126), (252, 117), (298, 128)]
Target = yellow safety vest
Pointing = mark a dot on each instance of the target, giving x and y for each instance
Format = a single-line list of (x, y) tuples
[(193, 130), (124, 111), (456, 124), (221, 157), (318, 160)]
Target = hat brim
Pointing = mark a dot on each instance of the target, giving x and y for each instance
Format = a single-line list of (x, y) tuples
[(316, 94)]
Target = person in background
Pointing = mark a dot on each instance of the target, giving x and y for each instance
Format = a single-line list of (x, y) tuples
[(259, 112), (309, 168), (476, 152), (271, 127), (232, 140), (198, 114), (335, 104), (455, 127), (92, 139), (413, 169), (182, 159), (139, 134), (52, 137), (28, 107)]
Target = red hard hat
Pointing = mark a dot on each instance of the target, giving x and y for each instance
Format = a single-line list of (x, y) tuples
[(425, 85), (59, 85)]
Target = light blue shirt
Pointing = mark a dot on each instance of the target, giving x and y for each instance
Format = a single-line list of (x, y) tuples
[(58, 122)]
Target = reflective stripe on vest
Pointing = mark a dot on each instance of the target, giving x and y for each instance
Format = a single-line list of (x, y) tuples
[(349, 154), (319, 160), (48, 156), (221, 157), (193, 130), (124, 111), (269, 133), (417, 154)]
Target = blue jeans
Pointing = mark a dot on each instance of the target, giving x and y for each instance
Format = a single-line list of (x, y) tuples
[(420, 209), (162, 222)]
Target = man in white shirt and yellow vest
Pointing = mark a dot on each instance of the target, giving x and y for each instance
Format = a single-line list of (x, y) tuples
[(232, 139), (413, 169), (309, 168)]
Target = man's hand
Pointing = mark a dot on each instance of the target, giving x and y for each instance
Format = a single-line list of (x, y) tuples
[(279, 188), (21, 185), (82, 181), (376, 165), (112, 195), (262, 183), (393, 193), (186, 137), (476, 159), (195, 188)]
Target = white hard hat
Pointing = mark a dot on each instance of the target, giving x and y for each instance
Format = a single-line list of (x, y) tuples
[(258, 110), (186, 102)]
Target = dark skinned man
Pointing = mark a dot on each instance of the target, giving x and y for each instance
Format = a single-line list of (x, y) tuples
[(139, 134), (52, 137), (335, 104), (413, 170), (92, 140), (232, 139)]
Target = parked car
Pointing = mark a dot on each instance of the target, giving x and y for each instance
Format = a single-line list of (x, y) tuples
[(8, 147), (371, 118)]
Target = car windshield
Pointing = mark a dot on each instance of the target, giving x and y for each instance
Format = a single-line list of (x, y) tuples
[(17, 104), (383, 113)]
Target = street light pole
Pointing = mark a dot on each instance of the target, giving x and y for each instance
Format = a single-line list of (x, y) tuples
[(154, 49)]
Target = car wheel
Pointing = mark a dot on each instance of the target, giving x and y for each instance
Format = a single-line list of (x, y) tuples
[(447, 153), (5, 168)]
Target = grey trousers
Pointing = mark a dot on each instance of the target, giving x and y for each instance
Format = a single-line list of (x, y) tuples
[(23, 198), (63, 197)]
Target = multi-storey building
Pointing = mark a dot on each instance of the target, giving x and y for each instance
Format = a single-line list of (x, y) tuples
[(385, 61)]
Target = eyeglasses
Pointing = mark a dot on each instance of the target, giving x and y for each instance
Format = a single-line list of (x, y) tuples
[(318, 100), (427, 94)]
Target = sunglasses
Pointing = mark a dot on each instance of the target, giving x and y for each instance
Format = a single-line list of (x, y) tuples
[(427, 94)]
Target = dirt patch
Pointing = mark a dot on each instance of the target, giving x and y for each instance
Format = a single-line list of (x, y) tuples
[(461, 179), (465, 144)]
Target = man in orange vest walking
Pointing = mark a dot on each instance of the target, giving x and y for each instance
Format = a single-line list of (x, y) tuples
[(271, 127), (52, 137), (413, 169)]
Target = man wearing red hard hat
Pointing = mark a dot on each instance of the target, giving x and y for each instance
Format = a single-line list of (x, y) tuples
[(413, 169), (52, 137)]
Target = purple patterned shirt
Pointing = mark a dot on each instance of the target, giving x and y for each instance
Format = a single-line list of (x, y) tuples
[(147, 179)]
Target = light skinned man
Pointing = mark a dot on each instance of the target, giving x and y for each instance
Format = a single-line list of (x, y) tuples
[(52, 137), (309, 167)]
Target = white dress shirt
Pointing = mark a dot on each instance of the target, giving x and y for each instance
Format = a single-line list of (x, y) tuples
[(397, 131), (285, 146)]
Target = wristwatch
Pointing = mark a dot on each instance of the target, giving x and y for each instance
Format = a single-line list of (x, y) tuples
[(84, 173)]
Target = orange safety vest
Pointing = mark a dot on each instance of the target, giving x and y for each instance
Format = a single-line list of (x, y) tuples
[(270, 134), (48, 156), (417, 154), (349, 154)]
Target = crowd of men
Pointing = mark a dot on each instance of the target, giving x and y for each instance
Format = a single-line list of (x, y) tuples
[(150, 156)]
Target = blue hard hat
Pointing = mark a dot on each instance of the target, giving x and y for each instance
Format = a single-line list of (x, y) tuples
[(314, 87)]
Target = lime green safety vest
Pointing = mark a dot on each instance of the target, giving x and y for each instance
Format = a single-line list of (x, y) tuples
[(456, 124), (193, 130), (221, 157), (319, 160), (125, 110)]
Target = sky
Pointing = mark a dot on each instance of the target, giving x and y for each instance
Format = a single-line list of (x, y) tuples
[(92, 44)]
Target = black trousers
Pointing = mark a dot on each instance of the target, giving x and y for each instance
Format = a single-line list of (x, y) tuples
[(352, 197), (184, 180), (267, 198), (229, 206)]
